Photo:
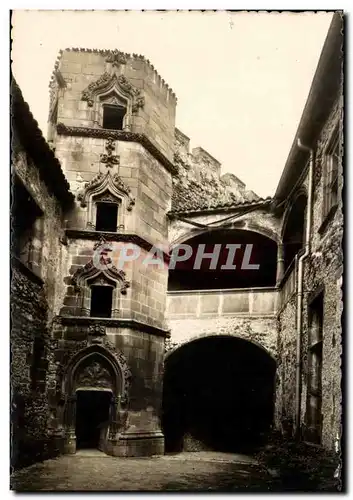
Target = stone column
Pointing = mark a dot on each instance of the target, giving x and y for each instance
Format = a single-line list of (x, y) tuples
[(70, 444), (114, 412), (280, 263)]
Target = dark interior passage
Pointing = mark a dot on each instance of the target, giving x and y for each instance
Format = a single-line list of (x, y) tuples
[(219, 390), (92, 415), (255, 269)]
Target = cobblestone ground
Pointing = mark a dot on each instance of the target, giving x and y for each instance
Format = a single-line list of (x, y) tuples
[(198, 471)]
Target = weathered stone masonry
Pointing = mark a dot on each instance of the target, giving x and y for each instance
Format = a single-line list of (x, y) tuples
[(323, 268), (132, 166), (152, 190), (33, 291)]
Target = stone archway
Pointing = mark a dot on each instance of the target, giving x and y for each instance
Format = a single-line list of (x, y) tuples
[(219, 394), (94, 376)]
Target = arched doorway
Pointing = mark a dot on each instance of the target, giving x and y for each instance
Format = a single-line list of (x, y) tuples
[(95, 385), (219, 394)]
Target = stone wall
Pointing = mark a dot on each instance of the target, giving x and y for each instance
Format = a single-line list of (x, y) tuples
[(199, 184), (259, 330), (145, 298), (145, 356), (32, 308), (325, 268), (322, 271), (219, 303), (30, 412), (286, 374), (53, 229)]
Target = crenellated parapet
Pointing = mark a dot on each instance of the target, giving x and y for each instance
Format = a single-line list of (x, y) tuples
[(116, 59), (87, 81), (199, 184)]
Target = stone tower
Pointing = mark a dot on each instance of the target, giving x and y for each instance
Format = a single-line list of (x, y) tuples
[(111, 123)]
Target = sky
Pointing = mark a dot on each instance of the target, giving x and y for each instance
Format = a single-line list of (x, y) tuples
[(241, 78)]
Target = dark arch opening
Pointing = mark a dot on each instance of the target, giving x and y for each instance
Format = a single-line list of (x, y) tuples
[(262, 253), (218, 394), (293, 236)]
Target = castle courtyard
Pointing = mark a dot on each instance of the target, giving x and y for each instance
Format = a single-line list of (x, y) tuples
[(193, 471)]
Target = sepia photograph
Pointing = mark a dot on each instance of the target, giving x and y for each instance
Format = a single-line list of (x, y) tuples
[(176, 251)]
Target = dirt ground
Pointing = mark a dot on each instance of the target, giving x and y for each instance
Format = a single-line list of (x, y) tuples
[(193, 471)]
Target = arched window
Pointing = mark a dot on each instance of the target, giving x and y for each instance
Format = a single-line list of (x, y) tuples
[(98, 291), (114, 101), (101, 303), (113, 116), (107, 213), (107, 200)]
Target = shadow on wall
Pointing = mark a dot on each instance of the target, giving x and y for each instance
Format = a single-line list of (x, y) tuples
[(218, 394)]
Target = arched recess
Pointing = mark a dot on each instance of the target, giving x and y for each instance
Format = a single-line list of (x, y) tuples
[(244, 225), (93, 370), (255, 261), (218, 394), (293, 229), (94, 274)]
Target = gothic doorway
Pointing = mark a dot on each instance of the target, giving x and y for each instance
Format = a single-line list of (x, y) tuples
[(92, 418), (95, 410)]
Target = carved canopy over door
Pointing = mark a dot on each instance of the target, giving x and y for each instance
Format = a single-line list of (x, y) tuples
[(97, 368), (94, 373)]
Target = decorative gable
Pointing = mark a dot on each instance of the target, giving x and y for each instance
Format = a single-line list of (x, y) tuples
[(89, 273), (113, 87), (110, 185)]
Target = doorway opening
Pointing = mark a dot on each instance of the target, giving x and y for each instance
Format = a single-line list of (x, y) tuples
[(218, 396), (92, 418)]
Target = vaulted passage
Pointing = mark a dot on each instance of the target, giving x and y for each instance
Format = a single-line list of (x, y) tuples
[(92, 418), (218, 395)]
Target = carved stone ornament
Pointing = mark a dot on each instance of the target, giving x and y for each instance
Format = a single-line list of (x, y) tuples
[(109, 158), (96, 329), (103, 242), (80, 349), (109, 81), (104, 184), (89, 272), (107, 198), (116, 58), (94, 375)]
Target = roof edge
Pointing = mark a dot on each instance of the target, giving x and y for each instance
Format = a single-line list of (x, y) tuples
[(33, 141), (315, 107)]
